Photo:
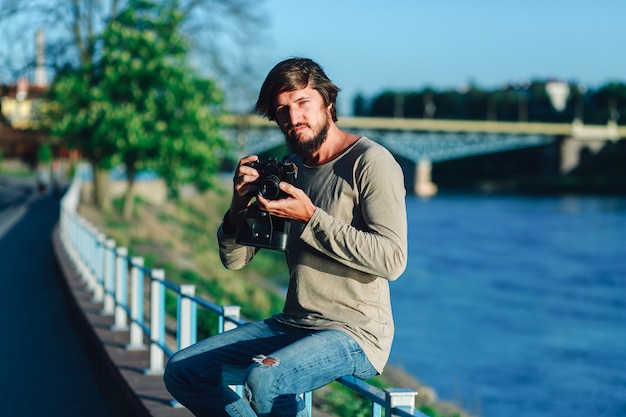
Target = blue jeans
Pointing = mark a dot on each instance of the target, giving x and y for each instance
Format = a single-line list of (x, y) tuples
[(273, 361)]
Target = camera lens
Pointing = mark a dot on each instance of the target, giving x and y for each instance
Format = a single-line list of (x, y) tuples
[(268, 187)]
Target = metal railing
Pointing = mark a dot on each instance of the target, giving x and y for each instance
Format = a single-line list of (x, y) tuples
[(117, 281)]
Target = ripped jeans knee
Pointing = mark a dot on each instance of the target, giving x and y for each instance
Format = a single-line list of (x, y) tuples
[(261, 384)]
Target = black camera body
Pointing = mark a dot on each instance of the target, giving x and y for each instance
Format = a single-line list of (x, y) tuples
[(261, 229), (272, 172)]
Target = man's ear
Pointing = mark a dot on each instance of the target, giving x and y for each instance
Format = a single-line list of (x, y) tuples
[(330, 109)]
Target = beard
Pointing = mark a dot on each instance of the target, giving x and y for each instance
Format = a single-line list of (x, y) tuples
[(305, 149)]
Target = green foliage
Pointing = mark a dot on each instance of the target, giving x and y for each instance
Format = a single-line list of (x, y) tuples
[(44, 155), (256, 303), (342, 401), (140, 103), (513, 102), (174, 127), (77, 114)]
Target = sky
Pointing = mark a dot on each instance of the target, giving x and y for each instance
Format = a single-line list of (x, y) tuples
[(404, 45)]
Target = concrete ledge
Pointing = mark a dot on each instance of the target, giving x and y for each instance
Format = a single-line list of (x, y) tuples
[(120, 372)]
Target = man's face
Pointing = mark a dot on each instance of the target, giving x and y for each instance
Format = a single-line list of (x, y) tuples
[(304, 120)]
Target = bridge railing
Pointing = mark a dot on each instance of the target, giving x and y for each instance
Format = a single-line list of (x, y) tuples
[(117, 281)]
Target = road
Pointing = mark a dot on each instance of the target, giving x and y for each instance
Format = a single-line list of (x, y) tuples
[(43, 368)]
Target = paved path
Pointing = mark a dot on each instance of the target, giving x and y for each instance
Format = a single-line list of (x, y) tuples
[(43, 368)]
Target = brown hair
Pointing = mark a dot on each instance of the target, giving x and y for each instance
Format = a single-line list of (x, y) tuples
[(294, 74)]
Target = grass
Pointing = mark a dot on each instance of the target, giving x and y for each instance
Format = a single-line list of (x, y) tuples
[(180, 237), (17, 173)]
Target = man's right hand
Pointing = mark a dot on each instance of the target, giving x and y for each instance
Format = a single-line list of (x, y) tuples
[(244, 190)]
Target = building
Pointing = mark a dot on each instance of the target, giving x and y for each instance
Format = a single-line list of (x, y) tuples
[(19, 137), (20, 106)]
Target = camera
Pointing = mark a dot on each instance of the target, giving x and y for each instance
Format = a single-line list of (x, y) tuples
[(272, 172), (261, 229)]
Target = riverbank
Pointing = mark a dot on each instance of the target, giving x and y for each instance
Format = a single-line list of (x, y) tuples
[(536, 171), (181, 239), (550, 186)]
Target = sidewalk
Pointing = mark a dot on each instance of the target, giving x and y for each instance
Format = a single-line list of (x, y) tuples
[(44, 370), (126, 387), (58, 356)]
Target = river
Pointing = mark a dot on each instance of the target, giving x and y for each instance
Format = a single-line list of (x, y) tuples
[(514, 305)]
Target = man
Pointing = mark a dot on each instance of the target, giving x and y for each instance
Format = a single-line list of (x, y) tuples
[(348, 239)]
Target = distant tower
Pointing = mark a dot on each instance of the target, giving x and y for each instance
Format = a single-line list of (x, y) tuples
[(41, 78)]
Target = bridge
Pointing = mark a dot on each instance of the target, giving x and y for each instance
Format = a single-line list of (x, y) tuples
[(427, 141)]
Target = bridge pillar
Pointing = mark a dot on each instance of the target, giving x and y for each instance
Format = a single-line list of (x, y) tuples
[(424, 187), (572, 151)]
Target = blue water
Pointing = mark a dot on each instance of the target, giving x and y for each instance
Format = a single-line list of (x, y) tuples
[(516, 306)]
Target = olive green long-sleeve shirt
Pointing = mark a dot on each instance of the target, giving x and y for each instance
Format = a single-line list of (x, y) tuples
[(342, 260)]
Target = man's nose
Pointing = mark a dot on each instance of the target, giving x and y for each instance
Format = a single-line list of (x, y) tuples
[(294, 116)]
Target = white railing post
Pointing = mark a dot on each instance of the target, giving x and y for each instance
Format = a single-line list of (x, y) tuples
[(62, 225), (121, 268), (136, 305), (186, 317), (82, 248), (71, 241), (100, 271), (92, 257), (224, 325), (109, 278), (157, 323), (400, 398), (377, 409), (308, 401), (78, 250), (232, 312)]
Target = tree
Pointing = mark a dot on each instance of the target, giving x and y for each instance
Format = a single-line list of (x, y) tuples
[(359, 105), (76, 113), (146, 107), (223, 33), (163, 114), (609, 101)]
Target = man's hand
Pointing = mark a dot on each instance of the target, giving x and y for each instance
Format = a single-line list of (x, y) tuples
[(297, 206), (244, 182), (244, 190)]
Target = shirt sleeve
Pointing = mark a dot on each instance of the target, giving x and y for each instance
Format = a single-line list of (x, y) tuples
[(232, 254)]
